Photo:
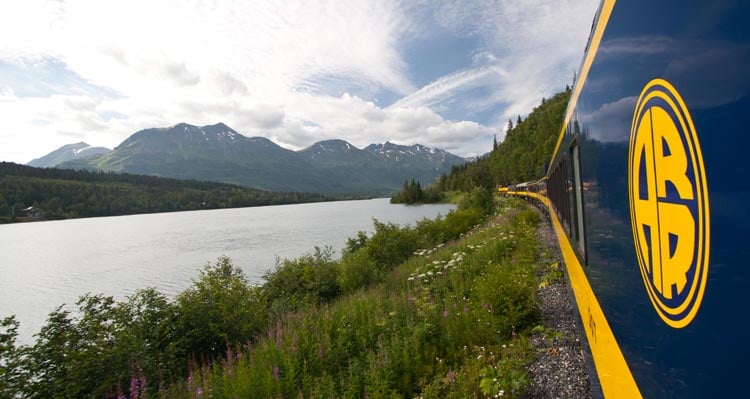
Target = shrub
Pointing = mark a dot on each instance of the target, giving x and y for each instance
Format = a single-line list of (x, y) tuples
[(309, 279), (11, 375), (529, 217), (391, 244), (479, 198), (220, 309), (357, 270)]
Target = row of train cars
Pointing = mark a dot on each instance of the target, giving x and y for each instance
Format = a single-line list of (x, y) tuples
[(648, 196)]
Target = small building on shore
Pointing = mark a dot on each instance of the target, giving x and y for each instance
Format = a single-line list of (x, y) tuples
[(31, 213)]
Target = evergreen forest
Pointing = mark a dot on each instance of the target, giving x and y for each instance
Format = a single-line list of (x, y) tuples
[(522, 156), (65, 193)]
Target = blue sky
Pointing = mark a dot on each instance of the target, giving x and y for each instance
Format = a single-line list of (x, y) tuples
[(447, 74)]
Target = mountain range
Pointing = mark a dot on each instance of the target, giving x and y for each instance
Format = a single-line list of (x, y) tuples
[(219, 153)]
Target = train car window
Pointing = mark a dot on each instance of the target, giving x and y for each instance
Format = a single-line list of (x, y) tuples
[(565, 194), (571, 197), (577, 194), (558, 190)]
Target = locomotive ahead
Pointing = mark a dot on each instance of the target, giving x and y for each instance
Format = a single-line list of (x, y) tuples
[(648, 194)]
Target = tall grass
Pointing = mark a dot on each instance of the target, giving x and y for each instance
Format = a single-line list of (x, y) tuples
[(447, 322)]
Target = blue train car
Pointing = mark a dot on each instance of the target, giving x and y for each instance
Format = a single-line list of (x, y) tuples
[(647, 192)]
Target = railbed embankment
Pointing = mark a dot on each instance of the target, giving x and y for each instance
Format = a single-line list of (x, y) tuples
[(559, 368)]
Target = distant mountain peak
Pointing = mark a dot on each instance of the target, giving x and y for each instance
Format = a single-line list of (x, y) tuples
[(67, 153), (398, 153), (333, 145), (217, 132)]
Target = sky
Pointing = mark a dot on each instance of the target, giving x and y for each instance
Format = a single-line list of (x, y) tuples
[(446, 74)]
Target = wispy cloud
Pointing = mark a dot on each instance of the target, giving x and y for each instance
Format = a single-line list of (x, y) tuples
[(291, 70), (528, 49), (447, 86)]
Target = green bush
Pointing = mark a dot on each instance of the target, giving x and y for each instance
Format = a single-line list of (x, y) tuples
[(309, 279), (357, 270), (479, 198), (11, 376), (529, 217), (391, 244), (220, 309), (455, 223)]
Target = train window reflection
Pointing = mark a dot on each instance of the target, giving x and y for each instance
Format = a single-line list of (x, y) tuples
[(577, 193)]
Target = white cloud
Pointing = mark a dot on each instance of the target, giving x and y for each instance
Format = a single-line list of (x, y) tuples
[(446, 86), (278, 68), (199, 61)]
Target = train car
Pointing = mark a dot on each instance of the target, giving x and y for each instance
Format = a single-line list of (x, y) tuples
[(648, 196)]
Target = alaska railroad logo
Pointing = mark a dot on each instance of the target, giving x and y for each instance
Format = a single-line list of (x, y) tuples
[(668, 203)]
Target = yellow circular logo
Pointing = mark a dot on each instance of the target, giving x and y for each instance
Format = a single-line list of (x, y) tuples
[(668, 203)]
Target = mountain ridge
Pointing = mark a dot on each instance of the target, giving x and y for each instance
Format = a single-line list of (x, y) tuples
[(219, 153)]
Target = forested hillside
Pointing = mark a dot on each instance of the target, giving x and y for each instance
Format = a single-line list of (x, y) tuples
[(61, 194), (520, 157), (529, 144)]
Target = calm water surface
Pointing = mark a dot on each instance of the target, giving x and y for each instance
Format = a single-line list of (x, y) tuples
[(46, 264)]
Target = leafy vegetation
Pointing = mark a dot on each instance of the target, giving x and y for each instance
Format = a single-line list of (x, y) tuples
[(62, 194), (522, 156), (401, 314)]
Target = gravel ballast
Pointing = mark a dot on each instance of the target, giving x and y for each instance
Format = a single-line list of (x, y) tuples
[(559, 369)]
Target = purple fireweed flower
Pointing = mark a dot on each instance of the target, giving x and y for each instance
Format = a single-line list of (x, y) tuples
[(279, 333), (445, 313), (275, 372), (138, 385), (451, 376), (134, 394)]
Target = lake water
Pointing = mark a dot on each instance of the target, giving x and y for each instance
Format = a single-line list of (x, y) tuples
[(46, 264)]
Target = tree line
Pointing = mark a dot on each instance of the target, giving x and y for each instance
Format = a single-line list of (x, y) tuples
[(63, 193)]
